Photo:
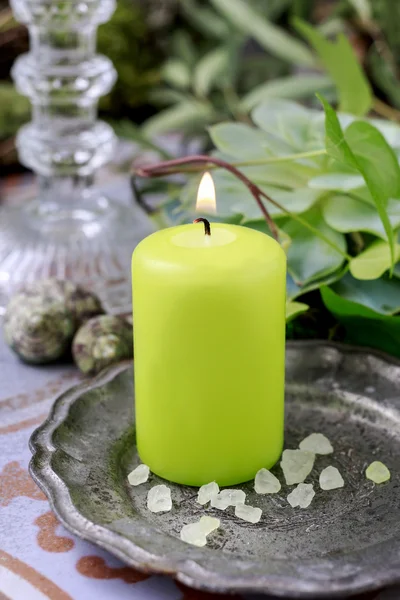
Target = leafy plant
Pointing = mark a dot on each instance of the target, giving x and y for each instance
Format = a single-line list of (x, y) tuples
[(338, 59), (376, 24), (205, 86), (335, 185), (244, 57), (331, 184)]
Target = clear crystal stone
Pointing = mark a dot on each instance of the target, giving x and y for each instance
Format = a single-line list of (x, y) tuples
[(159, 499), (207, 492), (296, 465), (228, 498), (196, 533), (330, 479), (139, 475), (266, 483), (316, 443), (301, 496), (251, 514)]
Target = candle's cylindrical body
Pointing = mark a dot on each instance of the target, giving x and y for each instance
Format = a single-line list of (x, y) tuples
[(209, 342)]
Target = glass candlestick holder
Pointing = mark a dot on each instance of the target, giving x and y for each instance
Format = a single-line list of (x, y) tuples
[(70, 230)]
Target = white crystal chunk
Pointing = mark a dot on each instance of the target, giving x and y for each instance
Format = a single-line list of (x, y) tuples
[(192, 534), (139, 475), (266, 483), (296, 465), (330, 479), (207, 492), (317, 443), (302, 495), (251, 514), (159, 499), (196, 533), (209, 524), (228, 498), (377, 472)]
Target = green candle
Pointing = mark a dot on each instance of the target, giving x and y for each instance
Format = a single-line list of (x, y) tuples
[(209, 331)]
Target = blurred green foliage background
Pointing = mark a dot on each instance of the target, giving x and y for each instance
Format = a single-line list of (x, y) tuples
[(187, 63)]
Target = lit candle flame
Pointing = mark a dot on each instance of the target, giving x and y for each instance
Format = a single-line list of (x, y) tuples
[(206, 201)]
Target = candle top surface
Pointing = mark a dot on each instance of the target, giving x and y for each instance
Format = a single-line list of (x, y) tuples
[(195, 236), (228, 245)]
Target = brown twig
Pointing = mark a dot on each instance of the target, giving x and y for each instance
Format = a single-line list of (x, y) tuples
[(386, 111), (170, 167)]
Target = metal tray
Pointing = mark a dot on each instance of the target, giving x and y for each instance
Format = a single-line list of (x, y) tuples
[(347, 541)]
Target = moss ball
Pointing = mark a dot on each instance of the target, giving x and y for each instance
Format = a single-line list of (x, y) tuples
[(101, 342), (39, 331)]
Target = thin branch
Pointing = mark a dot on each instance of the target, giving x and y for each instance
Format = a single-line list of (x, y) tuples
[(253, 163), (173, 166), (386, 111)]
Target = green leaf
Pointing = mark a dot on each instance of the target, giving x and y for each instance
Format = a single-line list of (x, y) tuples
[(376, 160), (309, 257), (274, 8), (365, 149), (233, 197), (240, 140), (347, 214), (293, 86), (165, 96), (296, 201), (183, 47), (389, 130), (363, 8), (374, 261), (262, 226), (272, 38), (341, 63), (209, 69), (336, 145), (291, 128), (378, 165), (293, 290), (331, 27), (291, 174), (363, 325), (204, 19), (177, 73), (181, 116), (293, 309), (281, 175), (381, 295), (336, 181)]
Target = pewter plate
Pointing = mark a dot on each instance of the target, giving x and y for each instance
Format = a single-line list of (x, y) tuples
[(347, 541)]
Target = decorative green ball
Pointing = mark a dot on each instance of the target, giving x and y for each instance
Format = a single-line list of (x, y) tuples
[(41, 319), (81, 303), (37, 329), (101, 342)]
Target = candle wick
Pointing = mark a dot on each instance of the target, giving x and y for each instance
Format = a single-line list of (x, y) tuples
[(207, 226)]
